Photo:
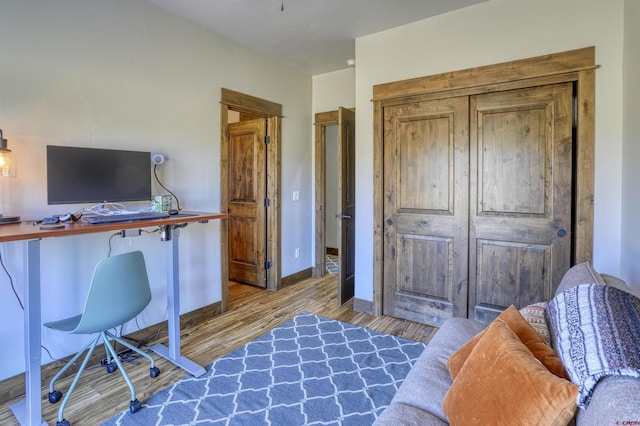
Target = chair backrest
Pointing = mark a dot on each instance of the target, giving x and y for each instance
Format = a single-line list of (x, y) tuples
[(119, 291)]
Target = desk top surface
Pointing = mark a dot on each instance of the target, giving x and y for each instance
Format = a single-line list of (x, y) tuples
[(27, 230)]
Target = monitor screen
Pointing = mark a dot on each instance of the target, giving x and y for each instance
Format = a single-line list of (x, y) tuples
[(92, 175)]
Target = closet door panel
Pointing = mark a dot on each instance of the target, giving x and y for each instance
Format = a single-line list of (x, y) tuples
[(424, 265), (515, 276), (511, 177), (520, 197), (426, 210), (424, 164)]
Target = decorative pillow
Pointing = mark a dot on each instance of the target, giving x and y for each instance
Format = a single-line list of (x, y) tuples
[(529, 337), (581, 273), (502, 383), (534, 314)]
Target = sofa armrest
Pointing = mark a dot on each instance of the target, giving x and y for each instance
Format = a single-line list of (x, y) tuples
[(615, 401)]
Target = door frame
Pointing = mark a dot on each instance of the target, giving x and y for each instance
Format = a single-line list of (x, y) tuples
[(321, 122), (346, 285), (252, 107), (577, 66)]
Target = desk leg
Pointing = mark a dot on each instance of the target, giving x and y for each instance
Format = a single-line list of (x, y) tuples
[(172, 353), (29, 411)]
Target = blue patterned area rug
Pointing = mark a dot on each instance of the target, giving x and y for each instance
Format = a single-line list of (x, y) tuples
[(308, 371)]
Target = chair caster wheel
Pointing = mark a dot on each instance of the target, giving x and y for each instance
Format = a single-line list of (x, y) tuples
[(111, 367), (154, 372), (54, 396), (135, 406), (63, 423)]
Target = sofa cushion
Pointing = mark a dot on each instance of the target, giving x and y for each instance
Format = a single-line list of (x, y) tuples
[(529, 337), (406, 415), (428, 381), (502, 383), (581, 273), (616, 282)]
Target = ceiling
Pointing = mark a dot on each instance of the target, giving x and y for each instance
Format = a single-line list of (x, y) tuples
[(314, 36)]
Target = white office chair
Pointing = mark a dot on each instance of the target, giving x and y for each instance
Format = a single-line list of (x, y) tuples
[(119, 292)]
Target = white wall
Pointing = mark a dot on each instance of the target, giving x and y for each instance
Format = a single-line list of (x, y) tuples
[(333, 90), (127, 75), (631, 145), (488, 33)]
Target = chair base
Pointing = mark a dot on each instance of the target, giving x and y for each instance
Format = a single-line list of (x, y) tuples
[(114, 364), (135, 406)]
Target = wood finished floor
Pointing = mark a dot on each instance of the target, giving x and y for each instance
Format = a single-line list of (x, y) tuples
[(253, 311)]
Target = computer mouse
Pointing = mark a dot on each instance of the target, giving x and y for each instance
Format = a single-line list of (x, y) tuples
[(173, 211)]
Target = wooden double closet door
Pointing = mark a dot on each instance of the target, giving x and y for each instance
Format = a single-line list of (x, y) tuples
[(477, 201)]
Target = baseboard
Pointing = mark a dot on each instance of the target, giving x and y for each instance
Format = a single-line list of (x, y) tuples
[(14, 387), (296, 278), (364, 306)]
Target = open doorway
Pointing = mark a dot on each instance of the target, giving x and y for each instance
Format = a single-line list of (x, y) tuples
[(249, 185), (335, 196), (332, 181)]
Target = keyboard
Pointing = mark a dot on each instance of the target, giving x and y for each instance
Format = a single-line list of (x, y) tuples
[(124, 217)]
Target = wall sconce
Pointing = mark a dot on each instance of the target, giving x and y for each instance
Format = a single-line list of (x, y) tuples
[(7, 169), (7, 159)]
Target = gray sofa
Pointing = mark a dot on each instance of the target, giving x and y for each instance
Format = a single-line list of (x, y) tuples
[(615, 400)]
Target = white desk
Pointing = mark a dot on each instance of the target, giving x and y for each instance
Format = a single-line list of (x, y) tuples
[(29, 411)]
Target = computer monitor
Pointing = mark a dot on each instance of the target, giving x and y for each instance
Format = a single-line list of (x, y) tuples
[(92, 175)]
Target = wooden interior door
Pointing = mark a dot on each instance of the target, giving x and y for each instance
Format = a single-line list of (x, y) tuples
[(246, 205), (347, 197), (521, 195), (425, 217)]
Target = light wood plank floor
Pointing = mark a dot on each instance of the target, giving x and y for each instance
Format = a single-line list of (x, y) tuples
[(253, 311)]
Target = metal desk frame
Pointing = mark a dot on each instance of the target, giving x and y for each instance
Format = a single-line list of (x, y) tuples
[(29, 411)]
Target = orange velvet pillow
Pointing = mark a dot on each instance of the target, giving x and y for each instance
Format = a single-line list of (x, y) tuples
[(502, 383), (525, 332)]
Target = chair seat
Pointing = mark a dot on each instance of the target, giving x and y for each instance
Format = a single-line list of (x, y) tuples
[(66, 325)]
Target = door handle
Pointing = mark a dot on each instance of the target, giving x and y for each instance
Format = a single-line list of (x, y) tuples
[(343, 216)]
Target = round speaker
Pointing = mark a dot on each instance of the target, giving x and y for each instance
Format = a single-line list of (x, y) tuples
[(157, 159)]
